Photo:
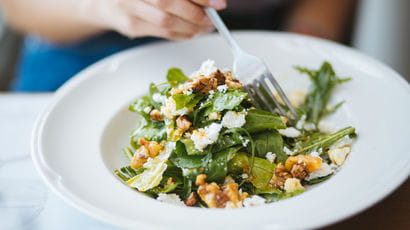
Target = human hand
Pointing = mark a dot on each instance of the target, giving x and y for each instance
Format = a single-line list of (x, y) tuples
[(171, 19)]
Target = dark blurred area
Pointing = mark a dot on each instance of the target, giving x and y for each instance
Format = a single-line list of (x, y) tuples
[(379, 28)]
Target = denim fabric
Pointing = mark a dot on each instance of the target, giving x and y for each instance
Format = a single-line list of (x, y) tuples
[(45, 66)]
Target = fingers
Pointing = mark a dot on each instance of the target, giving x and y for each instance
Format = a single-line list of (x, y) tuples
[(184, 9), (216, 4), (160, 18)]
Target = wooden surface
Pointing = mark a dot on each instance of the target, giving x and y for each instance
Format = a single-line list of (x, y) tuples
[(391, 213)]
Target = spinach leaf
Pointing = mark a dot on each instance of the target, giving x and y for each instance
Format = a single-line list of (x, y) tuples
[(324, 81), (139, 105), (318, 180), (153, 89), (190, 147), (259, 120), (228, 100), (217, 168), (175, 76), (151, 130), (226, 140), (269, 141), (181, 159), (188, 101)]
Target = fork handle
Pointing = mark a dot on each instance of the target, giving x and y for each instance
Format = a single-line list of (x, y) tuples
[(223, 30)]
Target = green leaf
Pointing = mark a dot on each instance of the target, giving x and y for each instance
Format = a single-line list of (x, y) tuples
[(324, 81), (154, 131), (318, 180), (259, 120), (139, 106), (186, 101), (217, 168), (228, 100), (175, 76), (181, 159), (153, 89), (269, 141)]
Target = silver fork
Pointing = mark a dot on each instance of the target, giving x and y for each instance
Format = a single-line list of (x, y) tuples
[(253, 72)]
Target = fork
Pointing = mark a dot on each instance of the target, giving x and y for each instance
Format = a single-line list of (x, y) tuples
[(253, 72)]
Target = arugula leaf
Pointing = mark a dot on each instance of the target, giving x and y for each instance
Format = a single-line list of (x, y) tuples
[(153, 89), (188, 101), (260, 120), (228, 100), (325, 141), (269, 141), (139, 105), (181, 159), (217, 168), (318, 180), (324, 81), (190, 147), (175, 76)]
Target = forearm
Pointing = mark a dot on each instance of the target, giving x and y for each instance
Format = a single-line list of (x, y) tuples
[(323, 18), (59, 21)]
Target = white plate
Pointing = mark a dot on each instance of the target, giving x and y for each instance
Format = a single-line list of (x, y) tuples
[(77, 141)]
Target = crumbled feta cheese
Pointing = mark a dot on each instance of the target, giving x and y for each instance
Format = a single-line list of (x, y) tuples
[(169, 109), (245, 143), (338, 155), (323, 171), (315, 154), (244, 176), (207, 68), (206, 136), (301, 122), (270, 157), (159, 98), (309, 126), (292, 185), (171, 198), (211, 92), (289, 132), (253, 201), (234, 119), (214, 116), (222, 88), (326, 127), (147, 109), (287, 151)]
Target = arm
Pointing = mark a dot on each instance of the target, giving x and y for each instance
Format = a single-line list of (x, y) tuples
[(64, 21), (322, 18)]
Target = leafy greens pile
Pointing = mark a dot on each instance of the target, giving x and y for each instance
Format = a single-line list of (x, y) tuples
[(208, 126)]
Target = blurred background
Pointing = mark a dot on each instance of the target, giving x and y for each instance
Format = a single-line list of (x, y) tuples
[(378, 28)]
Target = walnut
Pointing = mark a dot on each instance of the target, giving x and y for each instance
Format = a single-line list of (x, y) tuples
[(219, 76), (231, 81), (156, 115), (140, 157), (183, 123), (280, 176), (192, 199), (299, 170), (152, 147), (204, 85), (227, 196)]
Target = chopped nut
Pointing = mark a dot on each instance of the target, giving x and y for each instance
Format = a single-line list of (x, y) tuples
[(156, 115), (280, 176), (299, 170), (183, 123), (204, 85), (232, 82), (140, 157), (227, 196), (191, 201), (152, 147), (219, 76)]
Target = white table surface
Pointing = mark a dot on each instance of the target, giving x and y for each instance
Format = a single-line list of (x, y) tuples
[(25, 202)]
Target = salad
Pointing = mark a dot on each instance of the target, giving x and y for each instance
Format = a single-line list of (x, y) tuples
[(202, 142)]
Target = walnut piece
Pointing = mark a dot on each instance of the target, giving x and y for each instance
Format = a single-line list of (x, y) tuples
[(183, 123), (299, 170), (226, 196), (280, 176), (156, 115), (192, 199), (146, 149)]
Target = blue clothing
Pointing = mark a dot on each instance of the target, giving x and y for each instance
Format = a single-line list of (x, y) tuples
[(45, 66)]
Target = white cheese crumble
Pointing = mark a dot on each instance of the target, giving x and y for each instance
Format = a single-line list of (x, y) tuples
[(207, 67), (147, 109), (301, 122), (292, 185), (244, 176), (289, 132), (222, 88), (159, 98), (270, 157), (234, 119), (214, 116), (323, 171), (287, 151), (206, 136), (338, 155), (315, 154), (169, 109), (171, 198), (245, 143), (253, 201)]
